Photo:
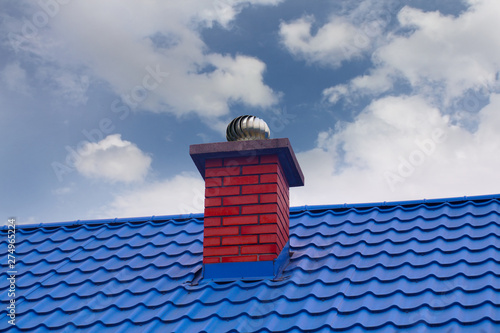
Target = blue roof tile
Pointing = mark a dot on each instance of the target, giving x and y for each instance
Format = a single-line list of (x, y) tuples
[(413, 266)]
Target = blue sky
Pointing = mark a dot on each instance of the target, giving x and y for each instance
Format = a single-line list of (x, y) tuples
[(396, 100)]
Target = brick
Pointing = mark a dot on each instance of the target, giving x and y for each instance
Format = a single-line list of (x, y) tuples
[(222, 191), (212, 222), (241, 160), (239, 240), (259, 169), (283, 219), (259, 229), (282, 225), (220, 251), (259, 209), (282, 180), (283, 215), (211, 241), (284, 210), (283, 193), (221, 231), (269, 178), (283, 235), (267, 257), (269, 198), (213, 202), (211, 260), (212, 163), (239, 259), (282, 239), (283, 183), (222, 211), (258, 189), (283, 202), (222, 172), (257, 249), (269, 218), (268, 238), (282, 243), (241, 200), (239, 220), (241, 180), (213, 182), (269, 159), (283, 222)]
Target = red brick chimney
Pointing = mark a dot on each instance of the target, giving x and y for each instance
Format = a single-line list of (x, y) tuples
[(246, 222)]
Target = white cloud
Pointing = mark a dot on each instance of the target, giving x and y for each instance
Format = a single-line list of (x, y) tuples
[(116, 41), (442, 57), (378, 81), (14, 77), (234, 79), (333, 94), (334, 42), (182, 194), (113, 159), (350, 33), (402, 148), (224, 11)]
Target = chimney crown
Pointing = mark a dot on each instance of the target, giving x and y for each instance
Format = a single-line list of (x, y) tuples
[(203, 153)]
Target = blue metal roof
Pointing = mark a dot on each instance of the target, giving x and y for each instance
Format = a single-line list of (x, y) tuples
[(414, 266)]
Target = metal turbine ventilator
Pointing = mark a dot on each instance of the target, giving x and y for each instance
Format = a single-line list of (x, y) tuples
[(244, 128)]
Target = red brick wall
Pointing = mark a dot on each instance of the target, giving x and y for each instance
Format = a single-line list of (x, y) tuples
[(246, 209)]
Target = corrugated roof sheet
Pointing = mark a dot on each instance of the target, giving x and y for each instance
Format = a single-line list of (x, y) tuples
[(414, 266)]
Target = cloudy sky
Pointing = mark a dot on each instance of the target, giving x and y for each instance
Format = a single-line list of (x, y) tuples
[(382, 100)]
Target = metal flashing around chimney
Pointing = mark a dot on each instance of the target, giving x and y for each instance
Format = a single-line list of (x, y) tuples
[(248, 271)]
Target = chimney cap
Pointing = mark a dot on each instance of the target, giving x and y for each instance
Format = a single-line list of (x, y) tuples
[(244, 128), (280, 147)]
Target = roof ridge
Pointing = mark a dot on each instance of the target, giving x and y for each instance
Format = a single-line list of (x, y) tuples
[(293, 210), (391, 204), (153, 218)]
